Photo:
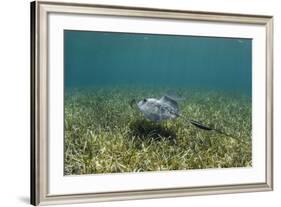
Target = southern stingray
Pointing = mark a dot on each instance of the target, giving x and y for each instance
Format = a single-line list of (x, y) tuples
[(167, 108)]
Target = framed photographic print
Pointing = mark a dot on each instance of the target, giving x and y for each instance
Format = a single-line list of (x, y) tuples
[(134, 103)]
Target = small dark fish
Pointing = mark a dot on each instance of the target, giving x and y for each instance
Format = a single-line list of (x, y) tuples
[(132, 102)]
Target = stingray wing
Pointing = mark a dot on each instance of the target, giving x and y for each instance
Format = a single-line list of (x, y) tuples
[(170, 102)]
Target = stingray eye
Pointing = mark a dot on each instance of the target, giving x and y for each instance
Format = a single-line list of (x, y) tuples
[(144, 100)]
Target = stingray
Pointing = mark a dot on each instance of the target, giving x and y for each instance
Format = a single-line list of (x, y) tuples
[(167, 108)]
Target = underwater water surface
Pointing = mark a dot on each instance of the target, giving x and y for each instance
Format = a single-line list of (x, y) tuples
[(105, 71)]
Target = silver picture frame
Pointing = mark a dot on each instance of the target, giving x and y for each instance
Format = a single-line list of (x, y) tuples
[(39, 100)]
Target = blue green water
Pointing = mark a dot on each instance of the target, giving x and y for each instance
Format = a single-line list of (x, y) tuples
[(105, 59)]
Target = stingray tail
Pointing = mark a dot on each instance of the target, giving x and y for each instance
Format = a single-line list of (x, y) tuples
[(207, 128), (200, 125)]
